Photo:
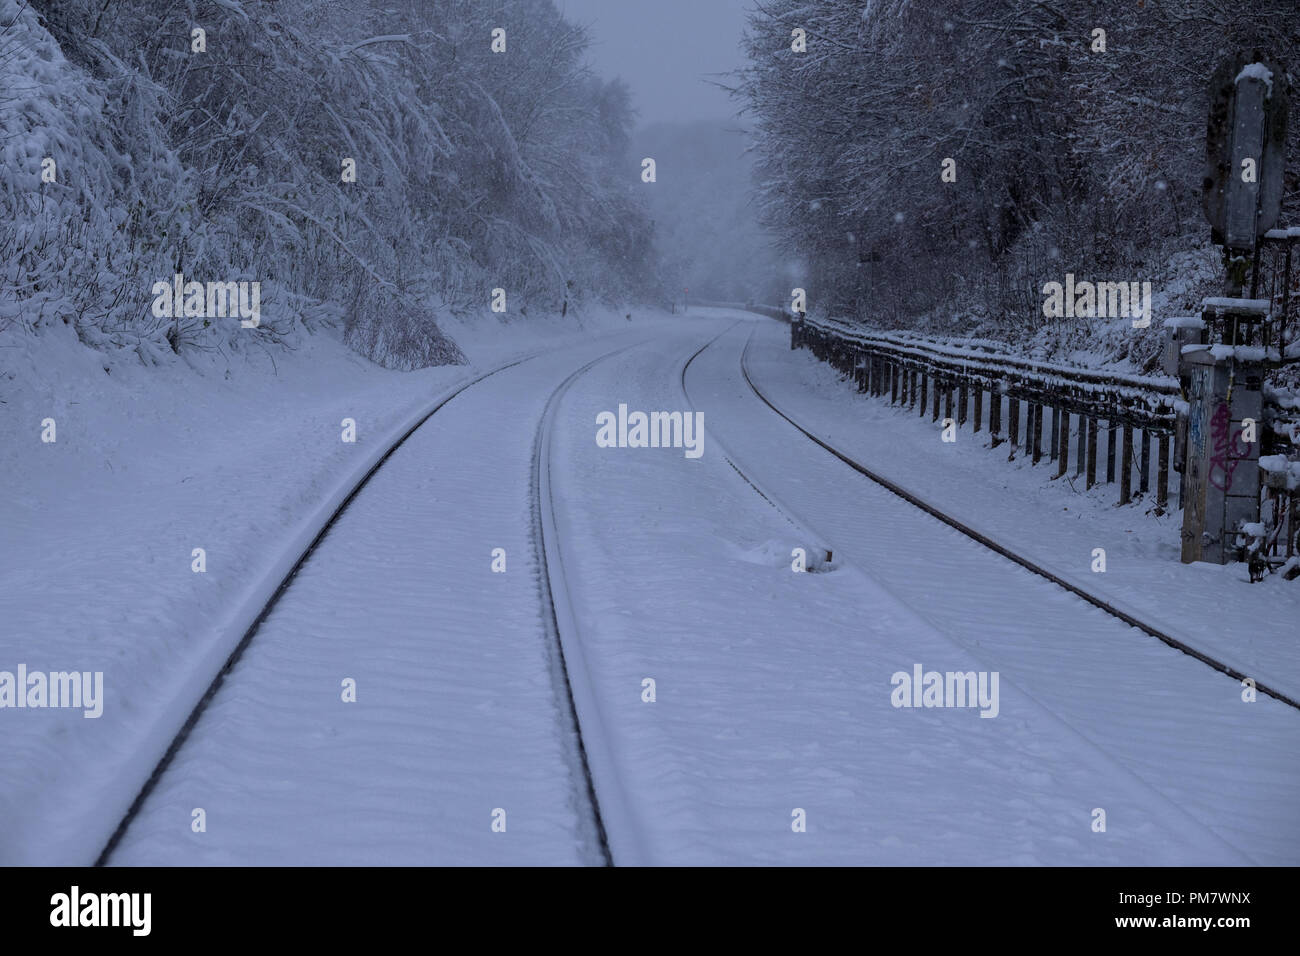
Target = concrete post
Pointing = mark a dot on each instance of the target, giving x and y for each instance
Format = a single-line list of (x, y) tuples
[(1221, 471)]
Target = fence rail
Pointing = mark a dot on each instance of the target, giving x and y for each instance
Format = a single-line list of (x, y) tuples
[(972, 385), (1042, 410)]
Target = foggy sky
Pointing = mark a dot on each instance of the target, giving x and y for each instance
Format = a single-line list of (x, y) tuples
[(664, 49)]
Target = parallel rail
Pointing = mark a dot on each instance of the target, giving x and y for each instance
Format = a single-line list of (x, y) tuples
[(614, 832), (210, 692)]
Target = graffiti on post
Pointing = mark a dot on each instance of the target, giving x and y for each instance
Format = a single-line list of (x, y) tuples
[(1227, 448)]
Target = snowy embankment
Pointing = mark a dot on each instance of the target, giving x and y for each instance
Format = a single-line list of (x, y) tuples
[(241, 458)]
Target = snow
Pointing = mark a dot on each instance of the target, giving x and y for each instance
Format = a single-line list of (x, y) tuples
[(1222, 304), (1286, 473), (772, 688), (1256, 71), (1145, 706), (1057, 522), (107, 517), (1243, 353), (456, 714)]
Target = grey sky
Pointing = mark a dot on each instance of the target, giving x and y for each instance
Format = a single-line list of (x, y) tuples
[(664, 49)]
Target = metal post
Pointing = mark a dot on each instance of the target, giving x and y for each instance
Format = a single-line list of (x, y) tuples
[(995, 416), (1111, 429), (1061, 425), (1092, 452), (1036, 426), (1126, 468), (1013, 426), (1162, 471), (1081, 453), (1144, 475)]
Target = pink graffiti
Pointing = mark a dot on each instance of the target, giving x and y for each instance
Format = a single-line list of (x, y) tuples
[(1228, 449)]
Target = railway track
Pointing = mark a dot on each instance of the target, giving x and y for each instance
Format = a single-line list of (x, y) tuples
[(609, 807), (568, 663), (606, 822), (549, 613), (998, 548), (808, 534)]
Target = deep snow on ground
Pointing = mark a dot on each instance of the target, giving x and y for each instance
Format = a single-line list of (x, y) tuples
[(1056, 522), (773, 688), (455, 716), (1174, 724), (241, 456)]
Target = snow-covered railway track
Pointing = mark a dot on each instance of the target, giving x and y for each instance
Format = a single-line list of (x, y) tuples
[(280, 588), (617, 837), (813, 492), (1098, 601)]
